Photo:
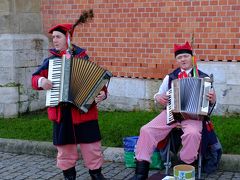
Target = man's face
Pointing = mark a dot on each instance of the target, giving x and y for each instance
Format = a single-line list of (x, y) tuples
[(59, 41), (184, 61)]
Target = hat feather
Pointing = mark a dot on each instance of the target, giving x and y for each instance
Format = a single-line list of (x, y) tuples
[(84, 17)]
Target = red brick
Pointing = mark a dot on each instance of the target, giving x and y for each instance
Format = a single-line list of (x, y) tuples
[(127, 37)]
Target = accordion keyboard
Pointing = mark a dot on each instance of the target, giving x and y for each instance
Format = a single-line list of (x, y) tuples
[(170, 106), (54, 75)]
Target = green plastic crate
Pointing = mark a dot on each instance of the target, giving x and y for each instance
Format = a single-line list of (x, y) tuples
[(130, 162)]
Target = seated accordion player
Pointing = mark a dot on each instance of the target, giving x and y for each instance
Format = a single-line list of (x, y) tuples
[(187, 99), (75, 81)]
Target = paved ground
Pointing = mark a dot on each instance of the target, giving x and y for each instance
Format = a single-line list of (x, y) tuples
[(30, 167)]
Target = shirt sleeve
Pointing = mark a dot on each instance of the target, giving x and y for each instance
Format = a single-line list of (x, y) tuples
[(40, 82), (164, 86)]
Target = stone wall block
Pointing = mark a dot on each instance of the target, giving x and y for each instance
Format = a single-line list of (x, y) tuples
[(19, 40), (5, 5), (136, 90), (220, 109), (229, 94), (6, 42), (9, 95), (5, 19), (7, 75), (10, 110), (124, 103), (217, 69), (36, 105), (30, 71), (30, 23), (6, 59), (28, 78), (40, 56), (127, 87), (42, 95), (23, 98), (31, 41), (116, 87), (235, 109), (32, 53), (23, 107), (33, 95), (21, 78), (39, 42), (1, 110), (25, 58), (27, 5), (233, 73), (152, 87)]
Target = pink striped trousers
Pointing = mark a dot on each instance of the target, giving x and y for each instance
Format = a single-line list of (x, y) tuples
[(91, 154), (157, 130)]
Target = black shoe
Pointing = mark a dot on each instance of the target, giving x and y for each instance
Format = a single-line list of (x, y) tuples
[(141, 172), (70, 174), (138, 177), (96, 174)]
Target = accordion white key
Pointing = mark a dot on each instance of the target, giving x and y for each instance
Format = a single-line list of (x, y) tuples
[(187, 99), (76, 81)]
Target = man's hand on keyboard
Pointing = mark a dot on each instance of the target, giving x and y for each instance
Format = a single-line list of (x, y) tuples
[(46, 84), (162, 99)]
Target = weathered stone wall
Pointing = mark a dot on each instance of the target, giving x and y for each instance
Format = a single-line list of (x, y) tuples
[(227, 85), (22, 49), (130, 94)]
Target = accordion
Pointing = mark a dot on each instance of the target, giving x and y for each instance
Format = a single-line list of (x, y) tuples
[(187, 99), (76, 81)]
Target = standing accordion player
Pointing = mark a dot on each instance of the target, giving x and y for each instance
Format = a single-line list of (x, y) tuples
[(187, 99), (76, 81)]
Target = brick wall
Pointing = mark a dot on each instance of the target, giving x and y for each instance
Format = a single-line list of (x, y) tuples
[(134, 38)]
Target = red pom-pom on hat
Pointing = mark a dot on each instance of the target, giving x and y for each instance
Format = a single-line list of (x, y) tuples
[(185, 48)]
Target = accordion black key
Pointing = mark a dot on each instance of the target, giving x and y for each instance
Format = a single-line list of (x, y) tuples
[(187, 99), (76, 81)]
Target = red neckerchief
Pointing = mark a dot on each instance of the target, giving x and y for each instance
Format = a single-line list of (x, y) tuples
[(61, 53), (57, 53), (182, 75)]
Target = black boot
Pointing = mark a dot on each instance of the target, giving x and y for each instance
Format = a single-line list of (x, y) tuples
[(141, 172), (194, 163), (70, 174), (96, 174)]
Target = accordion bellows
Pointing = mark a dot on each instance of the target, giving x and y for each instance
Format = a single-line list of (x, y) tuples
[(76, 81), (187, 99)]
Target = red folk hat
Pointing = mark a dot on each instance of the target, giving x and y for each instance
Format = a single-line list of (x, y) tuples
[(63, 28), (185, 48)]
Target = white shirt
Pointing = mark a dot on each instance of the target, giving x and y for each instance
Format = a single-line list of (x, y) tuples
[(164, 86)]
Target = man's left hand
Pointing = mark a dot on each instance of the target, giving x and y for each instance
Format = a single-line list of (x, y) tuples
[(211, 96), (101, 96)]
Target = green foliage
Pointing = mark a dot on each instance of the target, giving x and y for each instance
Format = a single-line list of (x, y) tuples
[(34, 126), (10, 84), (117, 125), (114, 127), (227, 130)]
